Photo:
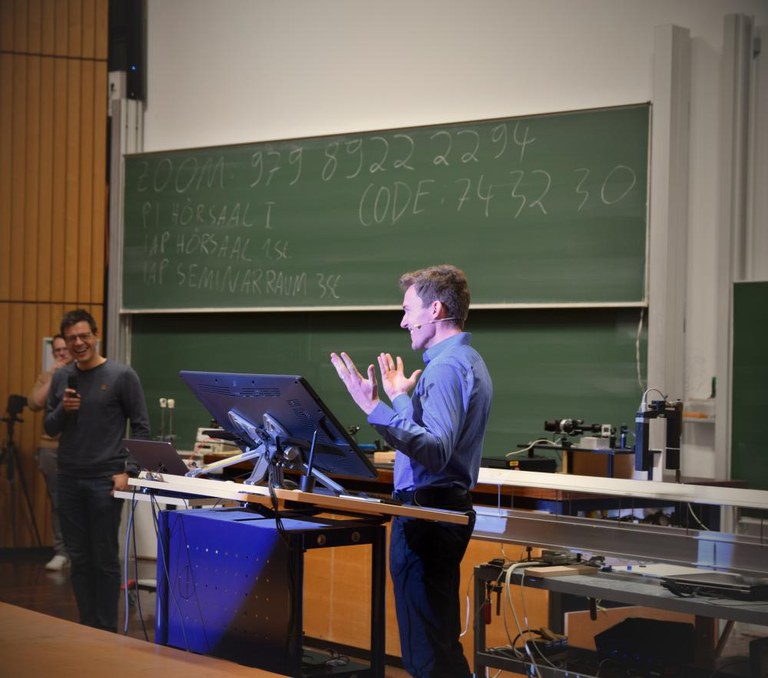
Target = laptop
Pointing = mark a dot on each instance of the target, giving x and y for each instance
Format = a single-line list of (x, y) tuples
[(718, 585), (156, 456)]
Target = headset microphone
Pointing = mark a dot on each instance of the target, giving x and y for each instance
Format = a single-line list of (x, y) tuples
[(429, 322)]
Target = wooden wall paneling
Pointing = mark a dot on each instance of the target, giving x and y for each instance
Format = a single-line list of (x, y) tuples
[(337, 597), (52, 185), (72, 219), (101, 23), (9, 503), (48, 26), (61, 24), (46, 325), (100, 188), (28, 353), (5, 356), (352, 594), (18, 176), (34, 26), (5, 324), (59, 184), (31, 206), (45, 206), (86, 271), (318, 600), (6, 26), (18, 11), (6, 136), (75, 32), (88, 25)]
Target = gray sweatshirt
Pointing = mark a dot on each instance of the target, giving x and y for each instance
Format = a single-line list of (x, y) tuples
[(110, 396)]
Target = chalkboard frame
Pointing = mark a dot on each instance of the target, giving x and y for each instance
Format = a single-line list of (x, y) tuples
[(633, 256)]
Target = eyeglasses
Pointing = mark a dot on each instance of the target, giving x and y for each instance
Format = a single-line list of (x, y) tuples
[(83, 336)]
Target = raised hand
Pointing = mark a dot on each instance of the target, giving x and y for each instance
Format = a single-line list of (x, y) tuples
[(393, 378), (364, 390)]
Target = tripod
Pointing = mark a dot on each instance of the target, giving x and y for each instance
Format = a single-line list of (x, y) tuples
[(8, 455)]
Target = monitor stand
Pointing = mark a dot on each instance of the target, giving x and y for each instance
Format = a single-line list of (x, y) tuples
[(272, 449)]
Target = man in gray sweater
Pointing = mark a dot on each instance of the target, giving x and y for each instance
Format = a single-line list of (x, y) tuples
[(89, 404)]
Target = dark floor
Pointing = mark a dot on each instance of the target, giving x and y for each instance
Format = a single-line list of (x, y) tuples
[(25, 582)]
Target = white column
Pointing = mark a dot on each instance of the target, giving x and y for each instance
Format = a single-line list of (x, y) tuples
[(733, 241), (127, 136), (668, 217)]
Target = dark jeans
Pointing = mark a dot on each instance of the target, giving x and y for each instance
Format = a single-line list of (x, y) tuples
[(424, 561), (90, 522)]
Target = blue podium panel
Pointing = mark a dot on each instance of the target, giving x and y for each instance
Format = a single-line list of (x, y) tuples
[(230, 584), (226, 592)]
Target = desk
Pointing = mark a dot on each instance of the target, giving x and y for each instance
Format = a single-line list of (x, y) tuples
[(561, 502), (621, 588), (488, 493), (34, 644)]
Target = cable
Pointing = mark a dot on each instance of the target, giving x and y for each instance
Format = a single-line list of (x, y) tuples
[(695, 517), (638, 338), (540, 441), (508, 592), (525, 619), (126, 592), (470, 582), (163, 556), (136, 579)]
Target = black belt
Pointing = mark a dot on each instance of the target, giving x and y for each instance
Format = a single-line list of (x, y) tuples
[(434, 497)]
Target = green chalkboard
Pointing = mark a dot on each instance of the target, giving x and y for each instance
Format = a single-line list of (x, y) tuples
[(546, 364), (547, 209), (749, 396)]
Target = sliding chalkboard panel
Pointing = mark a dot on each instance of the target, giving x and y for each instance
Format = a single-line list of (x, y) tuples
[(554, 364), (539, 210), (749, 398)]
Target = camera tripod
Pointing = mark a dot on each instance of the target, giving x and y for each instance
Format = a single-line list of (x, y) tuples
[(8, 455)]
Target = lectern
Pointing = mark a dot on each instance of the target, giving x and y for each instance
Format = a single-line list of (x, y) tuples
[(232, 587), (230, 581)]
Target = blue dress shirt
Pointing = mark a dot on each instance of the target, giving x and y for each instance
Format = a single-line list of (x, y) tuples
[(438, 431)]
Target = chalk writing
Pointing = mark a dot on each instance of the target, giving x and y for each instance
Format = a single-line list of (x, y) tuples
[(190, 173), (296, 222)]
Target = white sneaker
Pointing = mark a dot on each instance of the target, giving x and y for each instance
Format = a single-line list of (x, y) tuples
[(58, 562)]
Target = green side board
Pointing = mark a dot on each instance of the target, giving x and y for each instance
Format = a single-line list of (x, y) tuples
[(749, 396)]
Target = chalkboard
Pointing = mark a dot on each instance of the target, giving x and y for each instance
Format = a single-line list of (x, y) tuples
[(749, 397), (547, 209), (546, 364)]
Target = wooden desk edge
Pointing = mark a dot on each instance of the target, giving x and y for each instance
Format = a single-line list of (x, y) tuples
[(36, 644), (262, 495)]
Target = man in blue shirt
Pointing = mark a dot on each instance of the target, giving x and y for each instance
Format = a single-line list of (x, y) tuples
[(438, 433)]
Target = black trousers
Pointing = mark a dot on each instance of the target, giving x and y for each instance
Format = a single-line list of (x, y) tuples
[(424, 562)]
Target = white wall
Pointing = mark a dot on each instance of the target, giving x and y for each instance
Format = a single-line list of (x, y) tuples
[(235, 71)]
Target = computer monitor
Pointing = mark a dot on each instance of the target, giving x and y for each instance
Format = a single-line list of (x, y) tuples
[(281, 409), (156, 456)]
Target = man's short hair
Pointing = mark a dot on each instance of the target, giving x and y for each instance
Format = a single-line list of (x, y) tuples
[(77, 316), (444, 283)]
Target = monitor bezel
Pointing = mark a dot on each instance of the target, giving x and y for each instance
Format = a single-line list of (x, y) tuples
[(293, 403)]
